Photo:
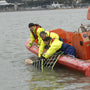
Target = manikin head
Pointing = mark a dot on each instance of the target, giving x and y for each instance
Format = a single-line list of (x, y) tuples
[(28, 62)]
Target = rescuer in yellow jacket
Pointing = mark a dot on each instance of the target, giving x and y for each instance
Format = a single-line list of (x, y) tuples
[(45, 34), (54, 45), (35, 33)]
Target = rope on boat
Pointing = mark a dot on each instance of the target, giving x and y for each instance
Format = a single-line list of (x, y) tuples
[(48, 63)]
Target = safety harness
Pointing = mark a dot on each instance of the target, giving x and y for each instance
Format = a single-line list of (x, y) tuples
[(47, 46), (52, 40), (35, 34)]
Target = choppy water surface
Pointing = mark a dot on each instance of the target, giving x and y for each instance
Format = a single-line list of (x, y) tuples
[(14, 74)]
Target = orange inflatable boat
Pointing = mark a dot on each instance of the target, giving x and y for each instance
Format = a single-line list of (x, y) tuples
[(81, 42)]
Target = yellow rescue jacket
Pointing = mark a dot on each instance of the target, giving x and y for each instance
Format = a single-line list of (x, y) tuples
[(35, 34), (52, 34), (54, 46)]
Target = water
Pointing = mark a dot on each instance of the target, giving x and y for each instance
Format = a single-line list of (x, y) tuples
[(14, 74)]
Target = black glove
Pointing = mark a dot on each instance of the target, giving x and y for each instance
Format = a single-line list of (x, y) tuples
[(40, 58)]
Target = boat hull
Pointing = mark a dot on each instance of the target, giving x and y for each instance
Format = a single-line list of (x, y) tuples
[(73, 63)]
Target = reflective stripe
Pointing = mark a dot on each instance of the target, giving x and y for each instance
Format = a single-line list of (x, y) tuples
[(47, 54)]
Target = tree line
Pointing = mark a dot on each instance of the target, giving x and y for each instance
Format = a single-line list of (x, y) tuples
[(46, 2)]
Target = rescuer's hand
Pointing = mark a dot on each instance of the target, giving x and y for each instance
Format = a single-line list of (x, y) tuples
[(40, 58), (29, 45)]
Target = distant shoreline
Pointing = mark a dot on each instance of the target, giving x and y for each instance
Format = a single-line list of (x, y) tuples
[(25, 9), (74, 8)]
